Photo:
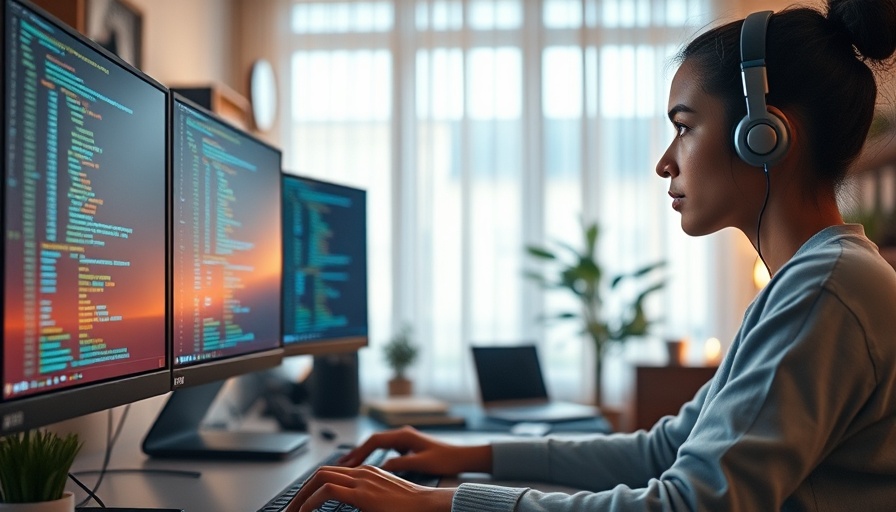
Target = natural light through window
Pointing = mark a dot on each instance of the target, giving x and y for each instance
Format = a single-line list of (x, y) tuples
[(628, 80), (342, 17), (495, 90), (440, 84), (478, 127), (562, 82), (341, 85)]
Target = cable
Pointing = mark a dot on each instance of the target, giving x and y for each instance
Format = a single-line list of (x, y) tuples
[(90, 494), (111, 438), (759, 223)]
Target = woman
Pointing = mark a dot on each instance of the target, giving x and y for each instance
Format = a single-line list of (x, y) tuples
[(802, 412)]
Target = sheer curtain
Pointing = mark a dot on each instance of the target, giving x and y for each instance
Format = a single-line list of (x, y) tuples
[(481, 126)]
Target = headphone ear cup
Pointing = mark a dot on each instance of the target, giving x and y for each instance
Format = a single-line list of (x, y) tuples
[(762, 141)]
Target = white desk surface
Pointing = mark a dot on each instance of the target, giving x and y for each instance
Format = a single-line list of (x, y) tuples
[(226, 486)]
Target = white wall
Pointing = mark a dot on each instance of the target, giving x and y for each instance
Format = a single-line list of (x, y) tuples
[(188, 41)]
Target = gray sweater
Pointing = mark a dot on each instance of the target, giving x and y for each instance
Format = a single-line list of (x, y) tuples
[(801, 414)]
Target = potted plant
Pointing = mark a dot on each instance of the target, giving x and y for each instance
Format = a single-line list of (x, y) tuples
[(400, 352), (34, 467), (578, 272)]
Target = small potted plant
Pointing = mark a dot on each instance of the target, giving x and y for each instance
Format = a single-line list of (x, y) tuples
[(400, 353), (34, 467)]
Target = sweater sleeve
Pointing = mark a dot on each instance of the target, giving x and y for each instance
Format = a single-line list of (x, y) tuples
[(599, 462), (594, 463), (763, 427)]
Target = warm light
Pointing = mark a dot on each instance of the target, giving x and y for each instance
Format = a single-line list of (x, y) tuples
[(712, 351), (760, 274)]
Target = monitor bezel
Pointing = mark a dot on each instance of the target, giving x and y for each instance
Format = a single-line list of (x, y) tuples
[(39, 410), (333, 345), (230, 366)]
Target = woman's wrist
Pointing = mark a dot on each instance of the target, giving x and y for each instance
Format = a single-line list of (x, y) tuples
[(479, 458)]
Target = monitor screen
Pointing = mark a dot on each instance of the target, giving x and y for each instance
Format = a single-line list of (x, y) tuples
[(324, 266), (84, 220), (226, 248), (226, 284)]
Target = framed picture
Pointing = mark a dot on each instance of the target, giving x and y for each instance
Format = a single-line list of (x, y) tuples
[(116, 25)]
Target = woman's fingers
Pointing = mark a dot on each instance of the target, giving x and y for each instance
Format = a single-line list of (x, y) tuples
[(369, 488), (323, 476), (401, 440)]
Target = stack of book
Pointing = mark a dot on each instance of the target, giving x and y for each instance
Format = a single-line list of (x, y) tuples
[(416, 411)]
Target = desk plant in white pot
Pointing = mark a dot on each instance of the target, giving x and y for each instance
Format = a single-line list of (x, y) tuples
[(578, 271), (34, 466)]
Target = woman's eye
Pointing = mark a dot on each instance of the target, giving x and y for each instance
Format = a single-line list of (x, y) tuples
[(680, 129)]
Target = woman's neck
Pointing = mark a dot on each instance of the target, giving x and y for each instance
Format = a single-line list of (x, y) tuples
[(787, 225)]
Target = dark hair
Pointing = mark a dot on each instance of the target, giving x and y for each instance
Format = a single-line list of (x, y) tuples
[(819, 71)]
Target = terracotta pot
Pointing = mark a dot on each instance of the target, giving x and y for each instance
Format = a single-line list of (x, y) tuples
[(400, 386)]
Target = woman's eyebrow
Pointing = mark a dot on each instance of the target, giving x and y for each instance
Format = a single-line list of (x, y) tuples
[(679, 108)]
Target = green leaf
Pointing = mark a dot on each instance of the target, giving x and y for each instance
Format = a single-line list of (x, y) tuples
[(591, 239), (34, 466), (540, 252), (643, 295), (573, 251), (637, 273), (649, 268), (536, 276)]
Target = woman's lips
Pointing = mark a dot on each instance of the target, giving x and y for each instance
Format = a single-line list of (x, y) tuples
[(677, 200)]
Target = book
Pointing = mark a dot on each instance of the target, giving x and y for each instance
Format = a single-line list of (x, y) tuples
[(416, 411)]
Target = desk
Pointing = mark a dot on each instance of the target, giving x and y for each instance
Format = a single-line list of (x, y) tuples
[(223, 486)]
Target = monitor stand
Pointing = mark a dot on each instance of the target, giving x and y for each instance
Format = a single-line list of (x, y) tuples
[(178, 433)]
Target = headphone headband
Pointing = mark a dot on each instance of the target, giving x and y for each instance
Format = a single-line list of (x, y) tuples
[(752, 62)]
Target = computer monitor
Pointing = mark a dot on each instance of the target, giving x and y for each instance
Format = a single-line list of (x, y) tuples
[(84, 215), (226, 280), (324, 266)]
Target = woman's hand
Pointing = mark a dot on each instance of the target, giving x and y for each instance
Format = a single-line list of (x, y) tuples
[(370, 489), (422, 453)]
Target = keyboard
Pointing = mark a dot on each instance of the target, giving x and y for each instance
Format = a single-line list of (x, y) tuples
[(282, 499)]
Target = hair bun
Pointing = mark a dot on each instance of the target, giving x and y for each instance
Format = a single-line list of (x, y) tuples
[(871, 25)]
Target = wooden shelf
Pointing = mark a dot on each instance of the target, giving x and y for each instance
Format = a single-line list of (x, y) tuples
[(220, 99)]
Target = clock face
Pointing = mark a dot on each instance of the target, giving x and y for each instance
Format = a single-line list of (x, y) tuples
[(263, 92)]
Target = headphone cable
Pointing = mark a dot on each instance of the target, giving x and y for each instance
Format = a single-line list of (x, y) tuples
[(759, 223)]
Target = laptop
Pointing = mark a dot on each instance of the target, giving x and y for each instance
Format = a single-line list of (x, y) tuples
[(512, 389)]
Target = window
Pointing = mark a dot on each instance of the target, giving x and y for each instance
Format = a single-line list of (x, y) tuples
[(477, 127)]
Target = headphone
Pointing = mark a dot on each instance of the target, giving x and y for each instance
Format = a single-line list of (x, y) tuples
[(761, 138)]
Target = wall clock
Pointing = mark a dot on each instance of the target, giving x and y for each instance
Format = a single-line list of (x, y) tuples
[(263, 95)]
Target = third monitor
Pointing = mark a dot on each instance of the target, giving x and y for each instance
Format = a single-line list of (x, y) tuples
[(324, 266)]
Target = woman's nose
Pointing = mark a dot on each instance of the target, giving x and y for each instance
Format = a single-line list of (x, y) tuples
[(665, 168)]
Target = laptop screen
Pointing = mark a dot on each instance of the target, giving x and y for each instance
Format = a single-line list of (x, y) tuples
[(509, 373)]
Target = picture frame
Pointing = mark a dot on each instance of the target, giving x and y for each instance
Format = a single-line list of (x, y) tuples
[(116, 25)]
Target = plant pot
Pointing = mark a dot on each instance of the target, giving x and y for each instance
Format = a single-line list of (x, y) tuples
[(64, 504), (400, 386), (677, 350)]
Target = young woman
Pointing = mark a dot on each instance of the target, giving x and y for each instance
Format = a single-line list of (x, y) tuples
[(801, 414)]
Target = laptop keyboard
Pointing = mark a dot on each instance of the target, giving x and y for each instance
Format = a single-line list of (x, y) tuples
[(282, 499)]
